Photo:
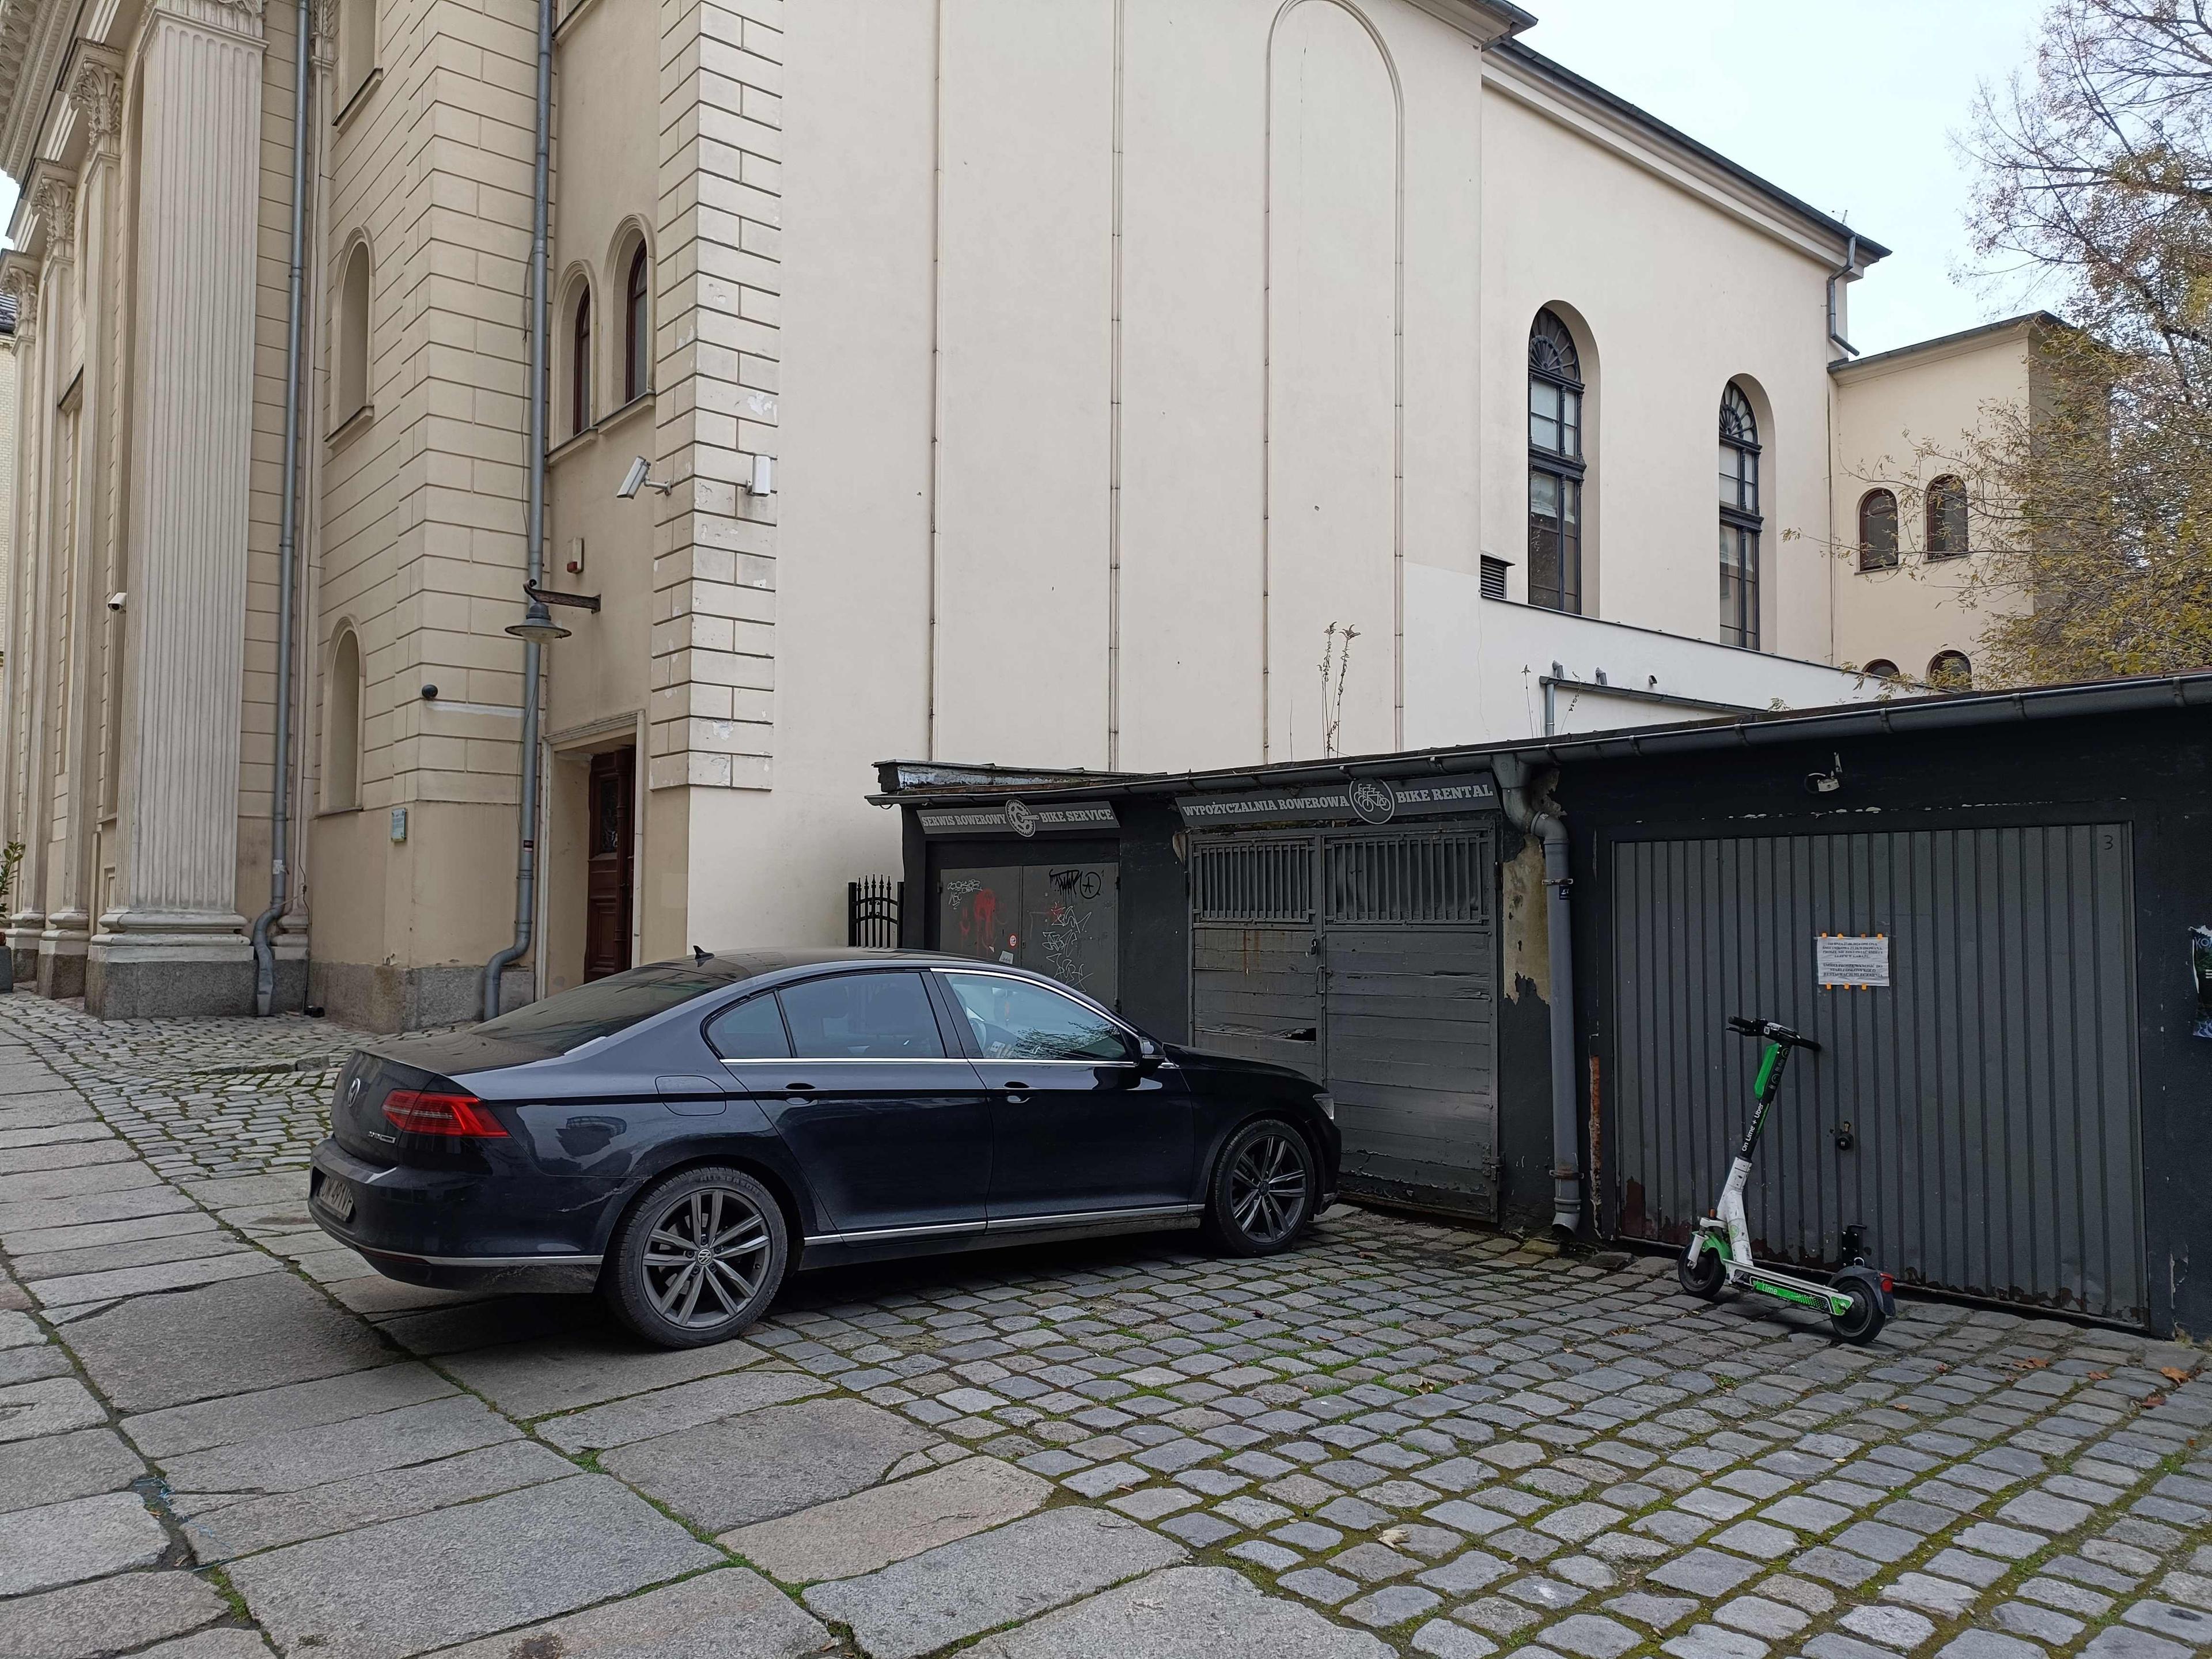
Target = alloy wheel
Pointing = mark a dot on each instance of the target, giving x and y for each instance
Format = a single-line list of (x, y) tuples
[(705, 1256), (1268, 1187)]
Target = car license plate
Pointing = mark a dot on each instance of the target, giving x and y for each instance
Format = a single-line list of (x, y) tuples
[(335, 1196)]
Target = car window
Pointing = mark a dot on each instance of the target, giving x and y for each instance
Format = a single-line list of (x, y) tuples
[(1013, 1020), (862, 1017), (569, 1020), (752, 1030)]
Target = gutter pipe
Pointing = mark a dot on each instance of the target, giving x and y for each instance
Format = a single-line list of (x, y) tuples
[(1851, 264), (526, 861), (1523, 812), (287, 540)]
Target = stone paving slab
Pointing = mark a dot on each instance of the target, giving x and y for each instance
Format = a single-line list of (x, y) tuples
[(59, 1466), (686, 1406), (227, 1339), (30, 1268), (227, 1420), (303, 1457), (871, 1529), (405, 1586), (221, 1525), (960, 1590), (83, 1538), (566, 1373), (221, 1643), (729, 1614), (92, 1234), (22, 1184), (110, 1615), (72, 1290), (38, 1214), (50, 1406), (107, 1148), (768, 1462), (1184, 1612)]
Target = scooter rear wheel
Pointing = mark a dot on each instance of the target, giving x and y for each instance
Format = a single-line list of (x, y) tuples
[(1703, 1278), (1862, 1322)]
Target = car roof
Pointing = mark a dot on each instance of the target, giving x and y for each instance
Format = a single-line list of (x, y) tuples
[(754, 963)]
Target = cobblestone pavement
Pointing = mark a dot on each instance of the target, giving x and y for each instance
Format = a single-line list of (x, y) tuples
[(219, 1435)]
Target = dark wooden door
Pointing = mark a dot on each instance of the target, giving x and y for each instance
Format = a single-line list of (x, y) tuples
[(607, 923)]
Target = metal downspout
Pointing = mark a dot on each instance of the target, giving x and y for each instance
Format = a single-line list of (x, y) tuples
[(288, 542), (1550, 829), (526, 861)]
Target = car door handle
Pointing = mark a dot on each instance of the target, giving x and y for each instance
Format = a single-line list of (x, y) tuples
[(798, 1088)]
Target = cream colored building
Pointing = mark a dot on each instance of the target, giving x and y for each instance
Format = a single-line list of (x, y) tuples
[(1023, 382), (7, 447)]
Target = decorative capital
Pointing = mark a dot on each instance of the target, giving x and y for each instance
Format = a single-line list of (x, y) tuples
[(326, 34), (97, 91), (19, 280), (56, 201)]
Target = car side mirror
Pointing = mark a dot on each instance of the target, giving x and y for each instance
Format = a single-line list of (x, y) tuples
[(1149, 1054)]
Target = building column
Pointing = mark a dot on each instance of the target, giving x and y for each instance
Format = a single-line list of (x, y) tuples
[(54, 199), (26, 916), (96, 89), (175, 943)]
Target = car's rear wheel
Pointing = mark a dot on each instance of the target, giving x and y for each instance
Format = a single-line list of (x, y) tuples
[(1262, 1195), (699, 1257)]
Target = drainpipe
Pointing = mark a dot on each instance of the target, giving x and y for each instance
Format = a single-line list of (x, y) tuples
[(1548, 826), (287, 540), (1851, 264), (526, 860)]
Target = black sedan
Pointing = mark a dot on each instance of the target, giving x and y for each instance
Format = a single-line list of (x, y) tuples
[(678, 1136)]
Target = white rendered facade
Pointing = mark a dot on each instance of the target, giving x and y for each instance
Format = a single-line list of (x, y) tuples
[(1104, 353)]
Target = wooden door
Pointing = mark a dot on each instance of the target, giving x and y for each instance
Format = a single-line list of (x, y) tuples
[(607, 901)]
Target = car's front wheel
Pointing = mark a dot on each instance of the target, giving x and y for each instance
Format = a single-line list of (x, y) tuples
[(698, 1258), (1263, 1189)]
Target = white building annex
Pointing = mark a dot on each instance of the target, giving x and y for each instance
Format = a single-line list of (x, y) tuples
[(1019, 383)]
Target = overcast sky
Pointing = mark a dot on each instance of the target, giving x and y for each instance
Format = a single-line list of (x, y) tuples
[(1846, 106)]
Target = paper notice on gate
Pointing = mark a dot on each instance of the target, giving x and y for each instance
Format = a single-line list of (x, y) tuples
[(1851, 961)]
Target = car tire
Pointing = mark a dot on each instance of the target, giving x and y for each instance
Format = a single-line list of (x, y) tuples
[(696, 1258), (1261, 1195)]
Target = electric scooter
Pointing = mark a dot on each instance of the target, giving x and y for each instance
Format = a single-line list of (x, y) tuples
[(1857, 1299)]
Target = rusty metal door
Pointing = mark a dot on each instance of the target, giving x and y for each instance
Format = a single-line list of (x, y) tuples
[(1367, 959), (1979, 1113)]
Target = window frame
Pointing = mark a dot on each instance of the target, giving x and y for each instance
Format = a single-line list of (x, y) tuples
[(951, 1035), (1935, 680), (347, 742), (579, 362), (1872, 557), (1133, 1042), (353, 335), (1555, 366), (1745, 525), (1947, 506), (637, 324), (1143, 1045)]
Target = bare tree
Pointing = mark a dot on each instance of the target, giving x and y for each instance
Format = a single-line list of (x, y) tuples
[(2095, 499)]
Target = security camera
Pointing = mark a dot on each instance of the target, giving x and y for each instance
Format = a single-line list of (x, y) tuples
[(115, 600), (633, 478)]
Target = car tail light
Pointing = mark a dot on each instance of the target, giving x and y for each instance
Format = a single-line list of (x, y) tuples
[(422, 1112)]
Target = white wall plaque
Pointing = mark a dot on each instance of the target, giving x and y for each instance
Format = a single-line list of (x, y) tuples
[(1848, 960)]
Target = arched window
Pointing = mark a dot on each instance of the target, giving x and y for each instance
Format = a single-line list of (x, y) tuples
[(1881, 668), (341, 725), (1740, 520), (356, 44), (1946, 518), (1949, 670), (1555, 466), (637, 329), (579, 363), (1878, 530), (351, 385)]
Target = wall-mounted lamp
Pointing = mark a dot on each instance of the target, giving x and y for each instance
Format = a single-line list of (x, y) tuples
[(763, 478), (537, 624)]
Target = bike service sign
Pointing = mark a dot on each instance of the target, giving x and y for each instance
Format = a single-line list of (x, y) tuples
[(1019, 818), (1851, 961), (1356, 800)]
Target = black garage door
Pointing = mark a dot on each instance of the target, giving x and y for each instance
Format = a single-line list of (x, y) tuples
[(1367, 959)]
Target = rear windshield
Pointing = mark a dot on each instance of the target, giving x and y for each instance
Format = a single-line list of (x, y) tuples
[(558, 1023)]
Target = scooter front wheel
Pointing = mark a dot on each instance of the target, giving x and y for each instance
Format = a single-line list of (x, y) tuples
[(1703, 1277), (1861, 1322)]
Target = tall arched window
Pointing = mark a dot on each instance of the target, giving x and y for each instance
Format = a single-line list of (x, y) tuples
[(351, 385), (579, 363), (1555, 466), (342, 699), (1740, 520), (637, 328), (1878, 530), (1947, 517), (1950, 671)]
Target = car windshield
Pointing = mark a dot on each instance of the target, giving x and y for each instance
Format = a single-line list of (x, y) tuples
[(556, 1024)]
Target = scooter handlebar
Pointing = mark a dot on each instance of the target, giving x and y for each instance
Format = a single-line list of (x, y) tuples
[(1772, 1030)]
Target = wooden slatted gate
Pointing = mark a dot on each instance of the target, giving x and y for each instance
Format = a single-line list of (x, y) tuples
[(1367, 959)]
